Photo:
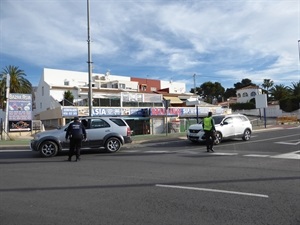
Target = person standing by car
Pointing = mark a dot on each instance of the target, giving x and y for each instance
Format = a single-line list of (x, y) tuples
[(209, 130), (76, 133)]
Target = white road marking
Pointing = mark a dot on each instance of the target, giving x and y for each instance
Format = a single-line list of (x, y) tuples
[(158, 151), (15, 151), (291, 155), (255, 155), (213, 190), (223, 153), (291, 142)]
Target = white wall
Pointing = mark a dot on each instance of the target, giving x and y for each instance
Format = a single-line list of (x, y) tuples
[(249, 92), (174, 87), (271, 111)]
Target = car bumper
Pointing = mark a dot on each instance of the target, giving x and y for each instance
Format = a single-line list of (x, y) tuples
[(194, 138), (127, 139), (34, 145)]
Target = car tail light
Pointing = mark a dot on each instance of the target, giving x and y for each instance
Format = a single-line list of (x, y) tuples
[(128, 131)]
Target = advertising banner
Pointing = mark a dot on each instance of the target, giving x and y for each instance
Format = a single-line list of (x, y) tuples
[(19, 112)]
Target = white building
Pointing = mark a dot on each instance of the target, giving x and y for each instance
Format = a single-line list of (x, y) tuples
[(245, 94), (54, 83)]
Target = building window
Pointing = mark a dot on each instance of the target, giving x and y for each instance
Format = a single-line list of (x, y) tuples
[(253, 93), (43, 91), (238, 95), (153, 89), (122, 86), (143, 87), (245, 94), (41, 105), (66, 82)]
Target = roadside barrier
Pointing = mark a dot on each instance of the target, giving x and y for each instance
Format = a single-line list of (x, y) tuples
[(286, 119)]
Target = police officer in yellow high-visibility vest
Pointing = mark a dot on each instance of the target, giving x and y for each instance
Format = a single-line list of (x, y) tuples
[(209, 129)]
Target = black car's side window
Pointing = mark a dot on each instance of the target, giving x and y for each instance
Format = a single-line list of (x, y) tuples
[(84, 123), (99, 123)]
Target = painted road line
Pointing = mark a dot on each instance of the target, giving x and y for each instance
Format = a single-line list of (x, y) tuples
[(291, 142), (255, 155), (291, 155), (158, 152), (15, 150), (213, 190), (223, 153)]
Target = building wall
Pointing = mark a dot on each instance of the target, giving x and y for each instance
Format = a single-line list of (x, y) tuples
[(174, 87), (246, 94), (147, 85)]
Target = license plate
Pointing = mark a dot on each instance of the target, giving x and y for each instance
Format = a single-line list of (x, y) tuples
[(193, 134)]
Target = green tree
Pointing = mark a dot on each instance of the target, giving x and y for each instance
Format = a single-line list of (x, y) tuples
[(68, 98), (230, 92), (212, 90), (18, 83), (244, 83), (295, 88), (279, 92), (267, 84)]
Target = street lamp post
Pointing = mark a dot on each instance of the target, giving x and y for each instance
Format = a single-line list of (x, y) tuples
[(7, 102), (299, 49), (90, 95)]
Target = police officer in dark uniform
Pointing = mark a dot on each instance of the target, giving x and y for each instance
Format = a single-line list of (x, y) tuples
[(76, 133), (209, 130)]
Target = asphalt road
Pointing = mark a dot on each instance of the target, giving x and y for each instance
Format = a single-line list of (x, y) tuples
[(167, 183)]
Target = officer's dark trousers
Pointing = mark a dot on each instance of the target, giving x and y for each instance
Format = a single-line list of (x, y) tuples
[(75, 146), (210, 137)]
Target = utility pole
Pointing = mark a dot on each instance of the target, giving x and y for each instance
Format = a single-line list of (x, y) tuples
[(194, 83), (90, 95), (7, 102), (299, 49)]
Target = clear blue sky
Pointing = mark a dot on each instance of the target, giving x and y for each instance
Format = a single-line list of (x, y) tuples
[(220, 41)]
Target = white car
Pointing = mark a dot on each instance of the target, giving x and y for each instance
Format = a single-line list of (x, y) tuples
[(227, 126)]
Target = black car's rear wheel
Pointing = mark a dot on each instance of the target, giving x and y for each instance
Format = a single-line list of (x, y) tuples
[(112, 145), (48, 149)]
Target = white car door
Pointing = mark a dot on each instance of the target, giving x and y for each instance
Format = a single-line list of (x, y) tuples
[(227, 127), (239, 125)]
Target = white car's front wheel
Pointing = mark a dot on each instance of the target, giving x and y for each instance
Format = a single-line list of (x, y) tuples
[(218, 138)]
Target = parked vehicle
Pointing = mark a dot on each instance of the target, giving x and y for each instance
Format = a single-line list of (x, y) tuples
[(227, 126), (109, 133)]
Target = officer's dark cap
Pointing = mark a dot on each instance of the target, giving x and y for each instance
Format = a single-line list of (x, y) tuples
[(76, 118)]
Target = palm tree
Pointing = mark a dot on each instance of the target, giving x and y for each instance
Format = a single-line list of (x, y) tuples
[(279, 92), (18, 83), (268, 83), (295, 88), (68, 98)]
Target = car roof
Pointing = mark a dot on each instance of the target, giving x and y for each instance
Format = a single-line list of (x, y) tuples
[(227, 115)]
